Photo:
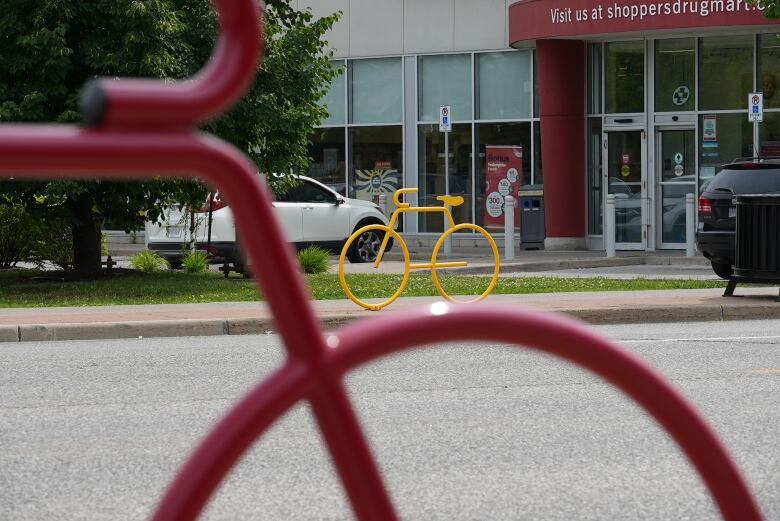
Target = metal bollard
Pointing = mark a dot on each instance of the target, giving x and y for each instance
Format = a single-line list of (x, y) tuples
[(609, 225), (690, 225), (509, 227), (383, 203)]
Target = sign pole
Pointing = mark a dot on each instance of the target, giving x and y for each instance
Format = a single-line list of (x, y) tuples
[(448, 242), (445, 126)]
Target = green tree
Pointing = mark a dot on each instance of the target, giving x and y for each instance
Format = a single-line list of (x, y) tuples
[(50, 48)]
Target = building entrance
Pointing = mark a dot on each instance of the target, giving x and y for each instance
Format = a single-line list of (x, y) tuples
[(625, 176), (676, 175)]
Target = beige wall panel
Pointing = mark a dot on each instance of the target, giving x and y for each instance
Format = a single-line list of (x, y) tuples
[(428, 25), (376, 27), (480, 24), (338, 37)]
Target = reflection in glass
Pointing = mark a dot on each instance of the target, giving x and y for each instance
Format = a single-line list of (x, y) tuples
[(594, 176), (723, 138), (594, 78), (327, 152), (726, 72), (769, 70), (625, 76), (445, 80), (334, 99), (431, 177), (376, 91), (769, 135), (504, 85), (675, 75), (538, 167), (500, 134), (678, 178), (376, 164), (624, 170)]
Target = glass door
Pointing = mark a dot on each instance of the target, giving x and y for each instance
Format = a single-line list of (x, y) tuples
[(676, 178), (625, 178)]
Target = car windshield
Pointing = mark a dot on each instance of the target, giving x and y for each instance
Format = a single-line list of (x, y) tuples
[(747, 181)]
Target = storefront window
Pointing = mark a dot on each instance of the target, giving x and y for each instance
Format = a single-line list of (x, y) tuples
[(503, 166), (376, 165), (376, 91), (594, 176), (726, 72), (769, 70), (327, 152), (769, 132), (538, 170), (675, 75), (335, 98), (432, 181), (722, 138), (594, 78), (625, 77), (504, 85), (445, 80)]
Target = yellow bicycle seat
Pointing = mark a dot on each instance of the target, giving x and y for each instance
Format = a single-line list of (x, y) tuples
[(451, 200)]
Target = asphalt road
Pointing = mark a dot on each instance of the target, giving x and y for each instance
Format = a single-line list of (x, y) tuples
[(95, 429)]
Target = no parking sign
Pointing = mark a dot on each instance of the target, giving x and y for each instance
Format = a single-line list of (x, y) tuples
[(756, 107)]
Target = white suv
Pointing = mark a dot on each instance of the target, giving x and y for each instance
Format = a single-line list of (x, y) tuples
[(310, 214)]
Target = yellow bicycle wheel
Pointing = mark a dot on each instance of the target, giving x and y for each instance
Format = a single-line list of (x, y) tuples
[(350, 287), (496, 261)]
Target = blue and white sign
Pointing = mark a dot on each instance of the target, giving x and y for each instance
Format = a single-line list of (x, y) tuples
[(445, 119), (756, 107)]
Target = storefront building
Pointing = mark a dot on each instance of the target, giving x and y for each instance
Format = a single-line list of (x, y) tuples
[(643, 100)]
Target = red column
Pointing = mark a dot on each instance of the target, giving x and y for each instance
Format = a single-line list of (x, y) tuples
[(561, 69)]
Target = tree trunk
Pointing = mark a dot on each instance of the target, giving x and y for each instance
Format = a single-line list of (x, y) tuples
[(86, 237)]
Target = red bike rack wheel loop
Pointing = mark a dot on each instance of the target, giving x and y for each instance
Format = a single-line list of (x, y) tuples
[(153, 104), (204, 470), (565, 338)]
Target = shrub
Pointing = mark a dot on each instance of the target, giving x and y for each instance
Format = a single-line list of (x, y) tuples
[(314, 259), (54, 244), (17, 235), (148, 262), (195, 262)]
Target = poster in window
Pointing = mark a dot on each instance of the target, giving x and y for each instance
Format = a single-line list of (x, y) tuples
[(503, 176), (382, 179)]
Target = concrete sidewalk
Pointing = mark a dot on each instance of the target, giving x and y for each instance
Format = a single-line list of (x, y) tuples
[(237, 318)]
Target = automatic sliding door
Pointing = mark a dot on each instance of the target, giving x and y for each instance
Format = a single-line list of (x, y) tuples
[(625, 176)]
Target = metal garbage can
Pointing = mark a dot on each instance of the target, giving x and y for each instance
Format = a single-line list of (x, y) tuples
[(757, 238), (531, 200)]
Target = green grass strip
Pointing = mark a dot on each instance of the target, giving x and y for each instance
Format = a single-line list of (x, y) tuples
[(21, 288)]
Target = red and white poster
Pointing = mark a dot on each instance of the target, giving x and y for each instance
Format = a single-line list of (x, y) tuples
[(503, 176)]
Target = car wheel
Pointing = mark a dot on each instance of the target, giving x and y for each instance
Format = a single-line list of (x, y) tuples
[(365, 247), (722, 269)]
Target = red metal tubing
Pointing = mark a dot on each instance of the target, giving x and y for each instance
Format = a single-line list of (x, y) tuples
[(567, 339), (188, 494), (58, 151), (153, 104)]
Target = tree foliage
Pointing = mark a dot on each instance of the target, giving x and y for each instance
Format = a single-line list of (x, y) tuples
[(50, 49)]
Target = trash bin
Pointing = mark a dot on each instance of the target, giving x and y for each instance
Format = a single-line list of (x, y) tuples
[(531, 200), (757, 238)]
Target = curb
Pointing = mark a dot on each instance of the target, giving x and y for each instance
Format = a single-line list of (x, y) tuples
[(254, 326)]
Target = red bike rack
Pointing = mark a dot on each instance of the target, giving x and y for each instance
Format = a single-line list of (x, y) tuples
[(145, 128)]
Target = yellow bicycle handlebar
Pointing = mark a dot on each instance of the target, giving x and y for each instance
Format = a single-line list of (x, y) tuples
[(399, 193)]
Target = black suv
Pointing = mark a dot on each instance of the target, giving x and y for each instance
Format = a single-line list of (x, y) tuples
[(717, 211)]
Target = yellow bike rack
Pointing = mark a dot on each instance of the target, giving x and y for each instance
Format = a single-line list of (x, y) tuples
[(389, 231)]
